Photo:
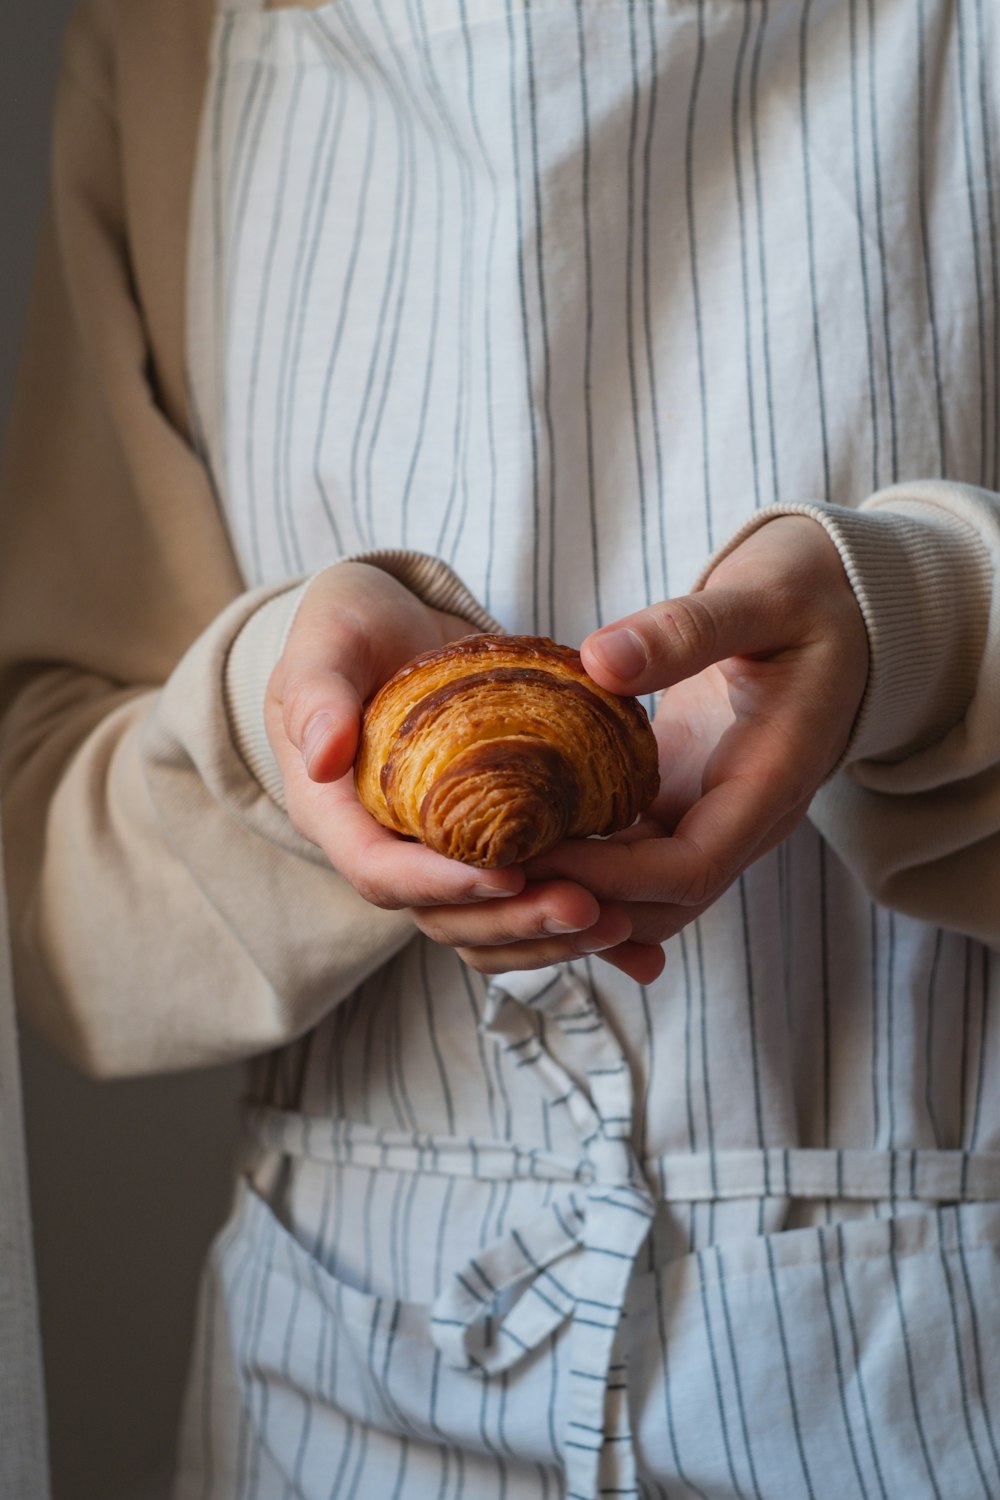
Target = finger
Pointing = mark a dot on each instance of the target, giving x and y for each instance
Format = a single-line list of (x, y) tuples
[(540, 911), (321, 718), (387, 870), (661, 645), (611, 929), (643, 962), (661, 870), (712, 844), (654, 923), (558, 908)]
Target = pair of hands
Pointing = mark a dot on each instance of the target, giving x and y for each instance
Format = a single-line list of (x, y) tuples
[(762, 673)]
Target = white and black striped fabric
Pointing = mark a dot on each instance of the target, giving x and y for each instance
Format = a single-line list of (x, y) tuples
[(561, 293)]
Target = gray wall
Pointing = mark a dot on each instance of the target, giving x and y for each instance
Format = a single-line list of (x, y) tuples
[(129, 1181)]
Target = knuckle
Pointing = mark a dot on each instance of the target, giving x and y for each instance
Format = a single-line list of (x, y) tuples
[(502, 960), (652, 923), (792, 597), (705, 883), (480, 961), (296, 699), (687, 627), (430, 924), (369, 890)]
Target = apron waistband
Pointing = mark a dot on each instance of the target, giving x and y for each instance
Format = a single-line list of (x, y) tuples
[(919, 1174)]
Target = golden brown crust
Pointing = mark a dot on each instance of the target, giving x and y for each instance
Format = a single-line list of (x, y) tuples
[(495, 747)]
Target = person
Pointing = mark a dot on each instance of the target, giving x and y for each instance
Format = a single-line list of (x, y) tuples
[(667, 1164)]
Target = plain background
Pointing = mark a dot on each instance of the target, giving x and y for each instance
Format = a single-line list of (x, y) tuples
[(129, 1180)]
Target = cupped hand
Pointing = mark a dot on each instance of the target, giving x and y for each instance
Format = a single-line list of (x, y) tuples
[(354, 628), (762, 674)]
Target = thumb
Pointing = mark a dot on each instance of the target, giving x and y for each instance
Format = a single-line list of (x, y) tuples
[(316, 694), (658, 646), (330, 665), (321, 717)]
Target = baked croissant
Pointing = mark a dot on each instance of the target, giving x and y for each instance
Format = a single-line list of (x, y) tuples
[(495, 747)]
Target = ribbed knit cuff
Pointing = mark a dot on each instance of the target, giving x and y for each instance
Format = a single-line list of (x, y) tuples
[(252, 658), (434, 583), (922, 579), (259, 644)]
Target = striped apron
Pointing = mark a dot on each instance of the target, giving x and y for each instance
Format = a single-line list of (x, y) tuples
[(560, 293)]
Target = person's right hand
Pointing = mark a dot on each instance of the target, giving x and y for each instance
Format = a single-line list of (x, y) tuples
[(355, 627)]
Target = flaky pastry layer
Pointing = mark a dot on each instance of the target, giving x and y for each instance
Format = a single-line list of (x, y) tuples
[(494, 748)]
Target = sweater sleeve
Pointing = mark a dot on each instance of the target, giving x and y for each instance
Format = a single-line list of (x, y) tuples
[(914, 807), (163, 912)]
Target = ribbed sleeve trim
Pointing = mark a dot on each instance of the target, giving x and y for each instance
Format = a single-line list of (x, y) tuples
[(922, 579), (259, 644), (252, 659), (434, 583)]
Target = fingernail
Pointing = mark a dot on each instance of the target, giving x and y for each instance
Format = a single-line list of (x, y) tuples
[(486, 891), (554, 925), (594, 945), (316, 732), (621, 651)]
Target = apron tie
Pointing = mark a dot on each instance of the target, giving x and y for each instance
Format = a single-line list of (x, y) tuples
[(572, 1263), (575, 1261)]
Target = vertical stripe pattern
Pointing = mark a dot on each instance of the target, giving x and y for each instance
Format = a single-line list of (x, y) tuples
[(561, 293)]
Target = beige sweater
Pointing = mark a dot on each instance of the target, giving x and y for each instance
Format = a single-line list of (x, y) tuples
[(164, 913)]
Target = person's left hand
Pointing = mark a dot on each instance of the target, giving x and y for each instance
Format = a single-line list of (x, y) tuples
[(762, 674)]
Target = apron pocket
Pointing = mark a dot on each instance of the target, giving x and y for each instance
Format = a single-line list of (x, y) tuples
[(306, 1342), (855, 1360)]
